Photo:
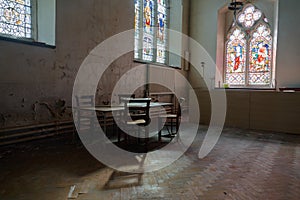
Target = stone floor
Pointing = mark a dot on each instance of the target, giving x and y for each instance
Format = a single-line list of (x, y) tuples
[(244, 164)]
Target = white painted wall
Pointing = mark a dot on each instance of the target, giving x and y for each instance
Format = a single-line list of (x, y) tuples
[(203, 29), (288, 59)]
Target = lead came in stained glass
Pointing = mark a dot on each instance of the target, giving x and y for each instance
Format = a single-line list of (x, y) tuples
[(148, 19), (148, 47), (236, 57), (148, 16), (15, 18), (151, 30), (260, 56), (249, 16), (136, 28), (161, 31), (249, 50)]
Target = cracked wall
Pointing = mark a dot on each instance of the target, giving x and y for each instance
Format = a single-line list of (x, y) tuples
[(36, 82)]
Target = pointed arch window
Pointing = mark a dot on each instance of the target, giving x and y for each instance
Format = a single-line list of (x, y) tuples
[(248, 50)]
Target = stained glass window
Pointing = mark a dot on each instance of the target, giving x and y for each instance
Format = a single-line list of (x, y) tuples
[(249, 50), (249, 16), (150, 30), (15, 18), (260, 56), (161, 31), (236, 57), (137, 29)]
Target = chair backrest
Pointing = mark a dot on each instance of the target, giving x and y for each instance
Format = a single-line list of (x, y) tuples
[(179, 107), (137, 108), (85, 118), (125, 96), (85, 100)]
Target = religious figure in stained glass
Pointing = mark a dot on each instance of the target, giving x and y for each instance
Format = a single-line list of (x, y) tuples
[(161, 32), (236, 57), (260, 55), (161, 27), (137, 8), (148, 16), (15, 18), (150, 30), (148, 39), (249, 50)]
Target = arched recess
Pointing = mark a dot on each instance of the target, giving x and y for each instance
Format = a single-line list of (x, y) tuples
[(226, 24)]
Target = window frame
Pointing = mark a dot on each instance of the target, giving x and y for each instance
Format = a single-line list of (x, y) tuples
[(34, 39), (248, 31), (155, 29), (32, 27)]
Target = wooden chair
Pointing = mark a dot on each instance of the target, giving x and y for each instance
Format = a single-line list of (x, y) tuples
[(135, 116), (172, 120)]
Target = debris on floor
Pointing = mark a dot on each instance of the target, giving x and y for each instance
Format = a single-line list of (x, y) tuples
[(84, 187), (72, 193)]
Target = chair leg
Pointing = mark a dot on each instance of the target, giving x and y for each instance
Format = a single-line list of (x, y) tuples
[(139, 135), (171, 133), (159, 128), (177, 125), (119, 136), (146, 138)]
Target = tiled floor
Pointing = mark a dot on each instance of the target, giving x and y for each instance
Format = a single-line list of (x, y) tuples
[(243, 165)]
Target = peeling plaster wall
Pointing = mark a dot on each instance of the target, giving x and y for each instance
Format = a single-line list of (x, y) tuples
[(36, 82)]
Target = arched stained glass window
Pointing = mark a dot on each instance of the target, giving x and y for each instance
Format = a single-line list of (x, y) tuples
[(150, 30), (260, 56), (15, 18), (236, 57), (249, 50)]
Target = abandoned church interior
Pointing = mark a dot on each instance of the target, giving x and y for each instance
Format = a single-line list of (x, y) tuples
[(149, 99)]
